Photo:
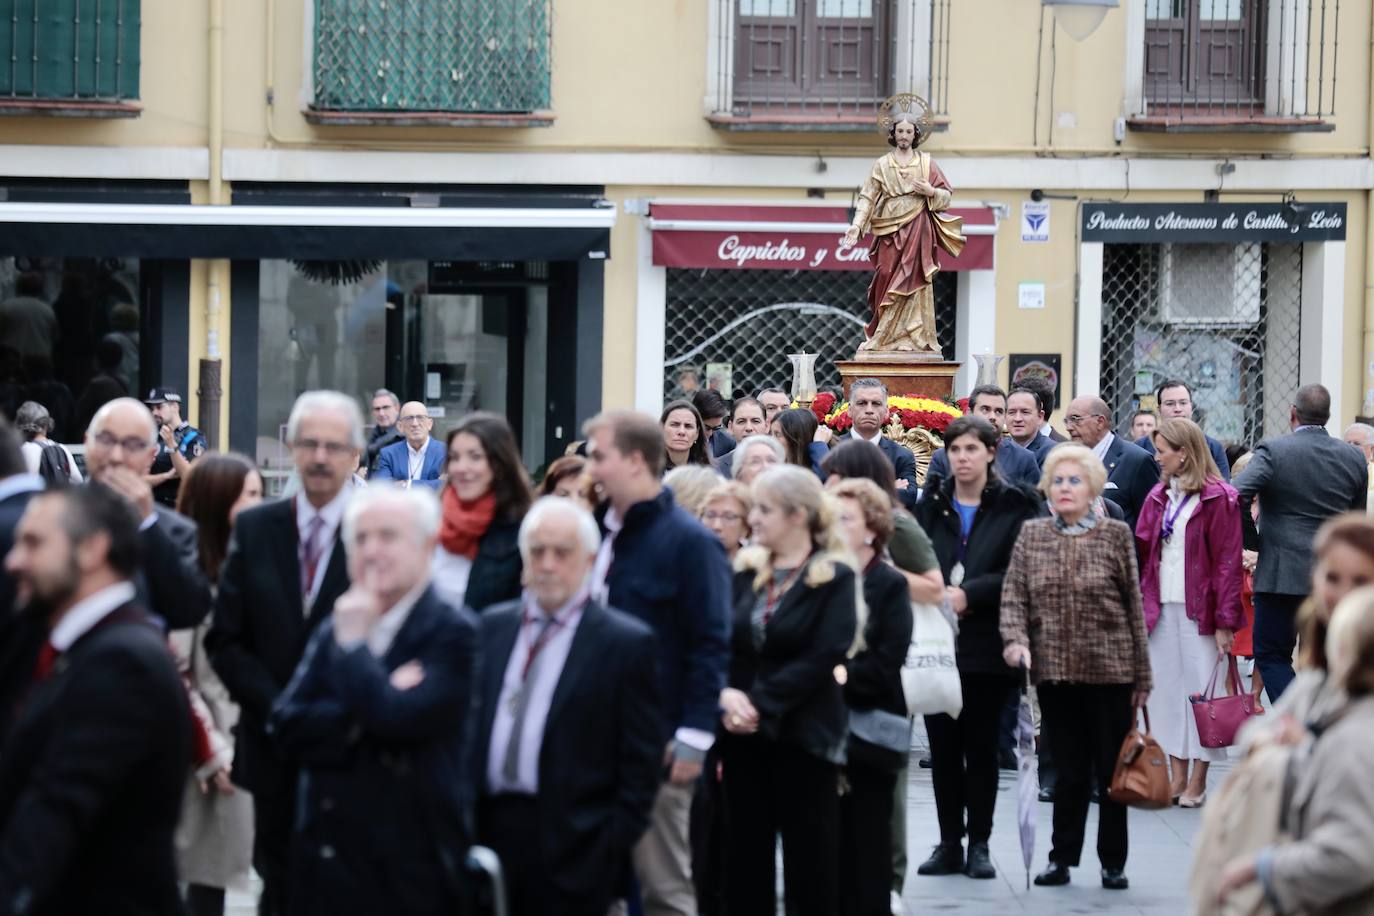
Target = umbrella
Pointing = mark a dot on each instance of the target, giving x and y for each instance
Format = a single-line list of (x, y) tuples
[(1027, 773)]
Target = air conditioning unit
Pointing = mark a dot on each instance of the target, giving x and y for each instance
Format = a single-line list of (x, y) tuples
[(1209, 285)]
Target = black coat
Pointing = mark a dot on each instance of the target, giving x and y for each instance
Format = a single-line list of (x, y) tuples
[(379, 438), (791, 678), (495, 573), (601, 754), (92, 776), (383, 814), (172, 584), (1131, 474), (11, 510), (875, 680), (1002, 510), (260, 630)]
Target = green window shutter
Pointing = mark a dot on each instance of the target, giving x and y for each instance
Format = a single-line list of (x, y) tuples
[(78, 50), (465, 56)]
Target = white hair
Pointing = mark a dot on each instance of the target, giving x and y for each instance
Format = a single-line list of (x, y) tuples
[(1365, 430), (419, 504), (742, 452), (336, 402), (98, 420), (546, 506)]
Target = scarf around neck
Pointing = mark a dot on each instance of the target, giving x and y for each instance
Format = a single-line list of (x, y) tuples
[(465, 522)]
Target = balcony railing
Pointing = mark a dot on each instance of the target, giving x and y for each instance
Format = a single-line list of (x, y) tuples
[(824, 64), (69, 56), (422, 60), (1239, 65)]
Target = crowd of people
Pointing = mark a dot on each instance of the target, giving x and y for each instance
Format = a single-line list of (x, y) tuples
[(684, 644)]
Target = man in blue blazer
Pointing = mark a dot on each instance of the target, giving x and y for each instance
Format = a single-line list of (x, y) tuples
[(419, 460), (1175, 400), (1016, 464), (868, 410), (380, 715), (1026, 414), (1131, 471)]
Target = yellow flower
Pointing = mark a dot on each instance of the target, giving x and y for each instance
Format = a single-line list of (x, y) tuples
[(901, 402)]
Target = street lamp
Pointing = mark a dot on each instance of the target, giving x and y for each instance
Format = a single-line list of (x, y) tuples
[(1080, 18)]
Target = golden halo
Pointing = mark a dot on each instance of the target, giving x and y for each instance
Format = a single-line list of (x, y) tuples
[(906, 106)]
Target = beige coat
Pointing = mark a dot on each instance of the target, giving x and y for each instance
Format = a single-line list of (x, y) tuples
[(1328, 868)]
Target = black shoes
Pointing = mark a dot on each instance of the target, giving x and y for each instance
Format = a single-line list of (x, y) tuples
[(1046, 793), (1056, 875), (1114, 879), (923, 763), (979, 862), (947, 859)]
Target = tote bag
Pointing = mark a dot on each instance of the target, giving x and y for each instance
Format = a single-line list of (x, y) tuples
[(930, 676)]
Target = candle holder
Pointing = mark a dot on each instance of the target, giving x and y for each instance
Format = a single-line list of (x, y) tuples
[(987, 368), (803, 377)]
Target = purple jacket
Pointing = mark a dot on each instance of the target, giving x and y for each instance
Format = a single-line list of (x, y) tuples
[(1211, 550)]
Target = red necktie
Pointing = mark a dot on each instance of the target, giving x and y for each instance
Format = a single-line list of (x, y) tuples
[(47, 657)]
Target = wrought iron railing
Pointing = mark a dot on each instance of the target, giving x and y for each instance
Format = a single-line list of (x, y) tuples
[(464, 56), (1229, 60), (819, 59), (69, 50)]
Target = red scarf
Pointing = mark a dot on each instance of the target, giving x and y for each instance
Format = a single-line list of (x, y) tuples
[(465, 523)]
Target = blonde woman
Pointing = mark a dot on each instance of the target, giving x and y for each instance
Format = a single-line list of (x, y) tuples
[(785, 721), (690, 484), (725, 512)]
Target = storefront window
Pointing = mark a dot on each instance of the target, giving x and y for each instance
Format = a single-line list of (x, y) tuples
[(69, 336)]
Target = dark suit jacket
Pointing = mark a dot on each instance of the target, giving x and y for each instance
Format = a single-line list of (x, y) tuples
[(1301, 480), (1039, 446), (602, 750), (260, 629), (1131, 475), (1013, 462), (721, 443), (394, 463), (1216, 448), (386, 780), (92, 776), (378, 439), (903, 466), (172, 584)]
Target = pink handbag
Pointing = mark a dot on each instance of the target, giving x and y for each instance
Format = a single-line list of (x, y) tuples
[(1219, 718)]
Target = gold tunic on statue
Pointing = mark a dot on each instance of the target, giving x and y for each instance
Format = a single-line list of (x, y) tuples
[(905, 251)]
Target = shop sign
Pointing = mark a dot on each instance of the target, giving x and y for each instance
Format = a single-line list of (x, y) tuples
[(1220, 222)]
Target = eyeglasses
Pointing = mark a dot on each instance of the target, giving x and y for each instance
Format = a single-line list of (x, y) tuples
[(415, 418), (311, 446), (713, 429), (728, 517), (1078, 419), (129, 444)]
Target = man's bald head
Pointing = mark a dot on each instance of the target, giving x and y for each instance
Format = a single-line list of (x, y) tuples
[(1088, 419), (415, 423), (122, 432)]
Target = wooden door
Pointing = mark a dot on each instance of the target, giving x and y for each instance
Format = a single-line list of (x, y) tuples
[(822, 53), (1203, 54), (768, 50)]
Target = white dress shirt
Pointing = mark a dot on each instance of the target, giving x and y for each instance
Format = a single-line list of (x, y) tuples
[(331, 514), (605, 556), (542, 683), (416, 465), (877, 437), (1100, 449), (1172, 557), (82, 617), (450, 572)]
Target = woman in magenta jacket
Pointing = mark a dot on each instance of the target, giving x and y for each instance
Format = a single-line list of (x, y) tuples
[(1189, 539)]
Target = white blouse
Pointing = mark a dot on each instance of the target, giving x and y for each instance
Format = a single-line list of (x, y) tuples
[(1172, 561), (449, 575)]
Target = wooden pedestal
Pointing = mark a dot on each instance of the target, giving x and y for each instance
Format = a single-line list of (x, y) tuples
[(913, 378)]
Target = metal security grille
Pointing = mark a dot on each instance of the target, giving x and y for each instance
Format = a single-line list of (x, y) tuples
[(752, 319), (1226, 319), (70, 50), (472, 56)]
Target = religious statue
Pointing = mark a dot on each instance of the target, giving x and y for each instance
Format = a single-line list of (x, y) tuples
[(902, 204)]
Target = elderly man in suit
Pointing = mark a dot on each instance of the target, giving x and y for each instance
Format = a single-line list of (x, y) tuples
[(868, 410), (1176, 400), (419, 460), (571, 729), (121, 443), (1016, 464), (1301, 480), (284, 570), (1131, 472), (377, 715), (92, 773)]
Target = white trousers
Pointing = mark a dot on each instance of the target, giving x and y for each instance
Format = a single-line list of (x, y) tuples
[(1182, 660)]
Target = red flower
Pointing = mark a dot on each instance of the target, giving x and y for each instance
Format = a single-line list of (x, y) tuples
[(962, 404), (842, 423), (824, 403)]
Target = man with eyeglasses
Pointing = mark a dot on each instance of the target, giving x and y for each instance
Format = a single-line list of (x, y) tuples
[(714, 411), (419, 460), (121, 443), (386, 408), (284, 570), (1176, 400), (1131, 472)]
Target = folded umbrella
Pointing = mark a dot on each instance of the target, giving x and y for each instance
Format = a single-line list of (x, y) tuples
[(1027, 773)]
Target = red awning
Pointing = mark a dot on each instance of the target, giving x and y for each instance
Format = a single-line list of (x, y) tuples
[(782, 237)]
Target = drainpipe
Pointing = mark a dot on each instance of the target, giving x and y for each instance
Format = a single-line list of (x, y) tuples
[(210, 390), (1367, 367)]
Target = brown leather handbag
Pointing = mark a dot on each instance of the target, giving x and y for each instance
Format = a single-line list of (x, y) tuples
[(1141, 779)]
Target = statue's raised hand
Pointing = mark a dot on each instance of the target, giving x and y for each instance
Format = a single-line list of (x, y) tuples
[(850, 237)]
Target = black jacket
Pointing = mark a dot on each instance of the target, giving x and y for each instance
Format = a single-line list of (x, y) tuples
[(1001, 512), (260, 630), (602, 751), (875, 674), (379, 438), (1131, 474), (791, 678), (671, 573), (92, 776), (172, 584), (383, 816), (495, 574)]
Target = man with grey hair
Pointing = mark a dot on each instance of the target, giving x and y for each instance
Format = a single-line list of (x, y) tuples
[(284, 570), (1361, 435), (570, 734), (390, 676), (868, 410), (121, 443), (1131, 472), (386, 409)]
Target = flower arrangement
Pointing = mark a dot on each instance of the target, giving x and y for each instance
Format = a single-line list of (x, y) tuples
[(917, 423)]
